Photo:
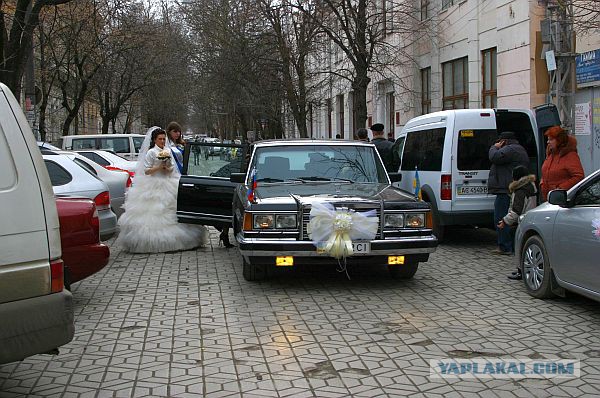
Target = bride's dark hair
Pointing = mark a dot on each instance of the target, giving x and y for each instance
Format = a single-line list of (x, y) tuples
[(155, 133)]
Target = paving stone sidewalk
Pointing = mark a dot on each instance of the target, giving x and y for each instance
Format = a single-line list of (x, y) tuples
[(188, 325)]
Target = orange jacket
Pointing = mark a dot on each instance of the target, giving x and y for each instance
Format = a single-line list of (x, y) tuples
[(561, 170)]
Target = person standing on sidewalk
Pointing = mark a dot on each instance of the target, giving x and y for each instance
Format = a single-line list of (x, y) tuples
[(505, 155), (562, 168), (384, 147)]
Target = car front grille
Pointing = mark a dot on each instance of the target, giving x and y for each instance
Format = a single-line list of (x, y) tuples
[(358, 207)]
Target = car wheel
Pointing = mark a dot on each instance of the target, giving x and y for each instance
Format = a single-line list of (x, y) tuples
[(404, 271), (535, 266), (252, 271)]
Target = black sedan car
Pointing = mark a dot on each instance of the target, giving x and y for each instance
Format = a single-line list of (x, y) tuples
[(308, 201)]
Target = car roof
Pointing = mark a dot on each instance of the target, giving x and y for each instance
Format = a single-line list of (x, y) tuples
[(311, 141)]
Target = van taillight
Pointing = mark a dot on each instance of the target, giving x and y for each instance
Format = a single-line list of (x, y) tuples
[(95, 223), (446, 187), (57, 276), (102, 201)]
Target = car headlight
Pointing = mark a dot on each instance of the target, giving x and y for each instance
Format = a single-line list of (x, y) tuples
[(263, 221), (285, 221), (414, 220), (394, 221)]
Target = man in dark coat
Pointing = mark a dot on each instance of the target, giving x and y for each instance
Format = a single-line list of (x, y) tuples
[(505, 155), (384, 147)]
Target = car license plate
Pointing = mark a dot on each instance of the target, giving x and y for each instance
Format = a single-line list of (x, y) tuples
[(357, 248), (471, 190)]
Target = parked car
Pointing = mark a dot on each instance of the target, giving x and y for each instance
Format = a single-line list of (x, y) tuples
[(70, 179), (47, 145), (36, 312), (292, 176), (558, 242), (117, 181), (450, 151), (110, 161), (126, 145), (82, 252)]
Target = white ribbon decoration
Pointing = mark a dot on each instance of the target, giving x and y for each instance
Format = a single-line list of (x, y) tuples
[(338, 228)]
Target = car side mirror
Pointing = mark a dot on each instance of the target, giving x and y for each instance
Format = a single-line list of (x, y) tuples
[(237, 177), (395, 177), (558, 197)]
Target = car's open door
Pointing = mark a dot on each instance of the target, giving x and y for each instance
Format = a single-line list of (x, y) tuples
[(205, 191)]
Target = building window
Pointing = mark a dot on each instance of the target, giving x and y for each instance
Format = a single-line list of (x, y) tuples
[(329, 111), (391, 111), (456, 82), (340, 114), (489, 97), (425, 91), (424, 9), (447, 3)]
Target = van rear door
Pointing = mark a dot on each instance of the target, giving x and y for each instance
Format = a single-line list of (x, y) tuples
[(474, 133), (522, 123)]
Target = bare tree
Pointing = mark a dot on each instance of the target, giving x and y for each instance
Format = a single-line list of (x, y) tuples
[(374, 36), (18, 20)]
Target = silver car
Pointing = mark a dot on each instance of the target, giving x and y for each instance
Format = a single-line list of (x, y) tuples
[(558, 243), (70, 179), (109, 160), (117, 181)]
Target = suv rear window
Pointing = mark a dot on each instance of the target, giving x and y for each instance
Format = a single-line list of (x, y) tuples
[(473, 149), (424, 149)]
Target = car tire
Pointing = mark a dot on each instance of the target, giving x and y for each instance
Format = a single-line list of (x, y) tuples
[(535, 266), (67, 278), (404, 271), (252, 271)]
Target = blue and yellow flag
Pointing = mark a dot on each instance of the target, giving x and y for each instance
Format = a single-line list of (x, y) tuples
[(417, 185)]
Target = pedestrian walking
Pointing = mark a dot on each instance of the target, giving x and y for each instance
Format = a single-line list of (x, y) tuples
[(562, 168), (505, 154), (523, 198), (384, 147)]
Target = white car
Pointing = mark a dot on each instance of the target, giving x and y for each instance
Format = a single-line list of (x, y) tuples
[(117, 181), (109, 160), (68, 178)]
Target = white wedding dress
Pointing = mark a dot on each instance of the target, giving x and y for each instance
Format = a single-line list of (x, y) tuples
[(149, 223)]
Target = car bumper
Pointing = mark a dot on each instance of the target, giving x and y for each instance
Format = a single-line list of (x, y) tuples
[(83, 261), (254, 247), (35, 325), (482, 218), (108, 224)]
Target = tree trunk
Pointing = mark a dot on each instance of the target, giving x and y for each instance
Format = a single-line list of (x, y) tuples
[(359, 87)]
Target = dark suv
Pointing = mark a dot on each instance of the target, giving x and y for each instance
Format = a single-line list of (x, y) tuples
[(268, 191)]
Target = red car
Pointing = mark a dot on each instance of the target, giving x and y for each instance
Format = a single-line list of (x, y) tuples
[(82, 252)]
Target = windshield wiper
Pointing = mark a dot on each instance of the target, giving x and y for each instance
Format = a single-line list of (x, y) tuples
[(343, 179), (312, 179), (268, 179)]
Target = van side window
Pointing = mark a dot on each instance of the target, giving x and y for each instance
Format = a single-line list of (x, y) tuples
[(424, 149), (473, 149), (117, 145), (8, 176), (84, 143), (137, 143), (58, 175)]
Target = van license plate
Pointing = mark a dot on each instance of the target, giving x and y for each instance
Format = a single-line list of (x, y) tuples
[(471, 190)]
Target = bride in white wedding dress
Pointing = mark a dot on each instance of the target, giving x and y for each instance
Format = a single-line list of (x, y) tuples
[(149, 223)]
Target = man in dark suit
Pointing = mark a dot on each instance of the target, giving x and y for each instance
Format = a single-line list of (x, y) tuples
[(384, 147)]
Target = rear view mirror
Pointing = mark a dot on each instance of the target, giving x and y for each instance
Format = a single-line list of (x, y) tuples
[(395, 177), (558, 197), (237, 177)]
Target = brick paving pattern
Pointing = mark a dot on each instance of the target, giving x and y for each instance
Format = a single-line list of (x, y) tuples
[(188, 325)]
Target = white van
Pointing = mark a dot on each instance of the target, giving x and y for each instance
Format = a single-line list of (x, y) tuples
[(125, 145), (450, 151), (36, 313)]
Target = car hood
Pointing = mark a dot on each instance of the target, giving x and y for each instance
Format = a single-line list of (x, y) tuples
[(309, 192)]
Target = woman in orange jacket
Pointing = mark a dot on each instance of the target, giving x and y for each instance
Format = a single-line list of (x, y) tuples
[(562, 168)]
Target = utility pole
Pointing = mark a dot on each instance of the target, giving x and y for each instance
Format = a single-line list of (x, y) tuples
[(559, 14)]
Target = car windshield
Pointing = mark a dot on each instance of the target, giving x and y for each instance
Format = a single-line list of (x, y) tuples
[(303, 163)]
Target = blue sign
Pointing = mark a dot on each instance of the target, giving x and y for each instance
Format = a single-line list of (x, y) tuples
[(587, 66)]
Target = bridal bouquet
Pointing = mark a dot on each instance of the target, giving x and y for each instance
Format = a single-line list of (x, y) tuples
[(164, 155)]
